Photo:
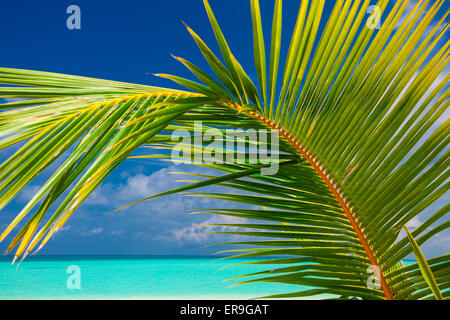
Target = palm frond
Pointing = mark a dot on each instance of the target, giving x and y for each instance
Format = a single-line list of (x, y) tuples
[(362, 148)]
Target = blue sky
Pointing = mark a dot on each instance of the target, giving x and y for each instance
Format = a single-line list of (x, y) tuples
[(127, 41)]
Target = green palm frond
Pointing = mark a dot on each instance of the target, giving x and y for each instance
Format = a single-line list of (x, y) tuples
[(354, 107), (424, 267)]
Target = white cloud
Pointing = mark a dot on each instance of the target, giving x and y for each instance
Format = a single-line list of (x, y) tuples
[(441, 241), (28, 193), (409, 8), (413, 223), (199, 232), (140, 186), (438, 244), (117, 232), (60, 232), (92, 232), (431, 25), (170, 212)]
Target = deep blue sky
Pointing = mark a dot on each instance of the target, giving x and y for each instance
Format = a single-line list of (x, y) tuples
[(125, 41), (121, 40)]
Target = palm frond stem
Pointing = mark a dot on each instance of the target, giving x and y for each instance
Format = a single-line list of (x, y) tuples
[(328, 181)]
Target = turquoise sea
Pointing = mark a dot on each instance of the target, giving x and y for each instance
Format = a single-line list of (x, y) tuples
[(125, 277), (130, 277)]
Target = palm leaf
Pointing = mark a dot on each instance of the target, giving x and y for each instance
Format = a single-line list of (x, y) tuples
[(424, 267), (362, 150)]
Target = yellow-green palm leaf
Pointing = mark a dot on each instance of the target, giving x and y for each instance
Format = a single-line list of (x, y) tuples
[(354, 107)]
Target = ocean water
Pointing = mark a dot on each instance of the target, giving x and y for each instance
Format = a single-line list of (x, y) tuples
[(125, 277)]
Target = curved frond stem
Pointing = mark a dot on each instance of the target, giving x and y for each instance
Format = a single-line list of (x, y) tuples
[(328, 181)]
